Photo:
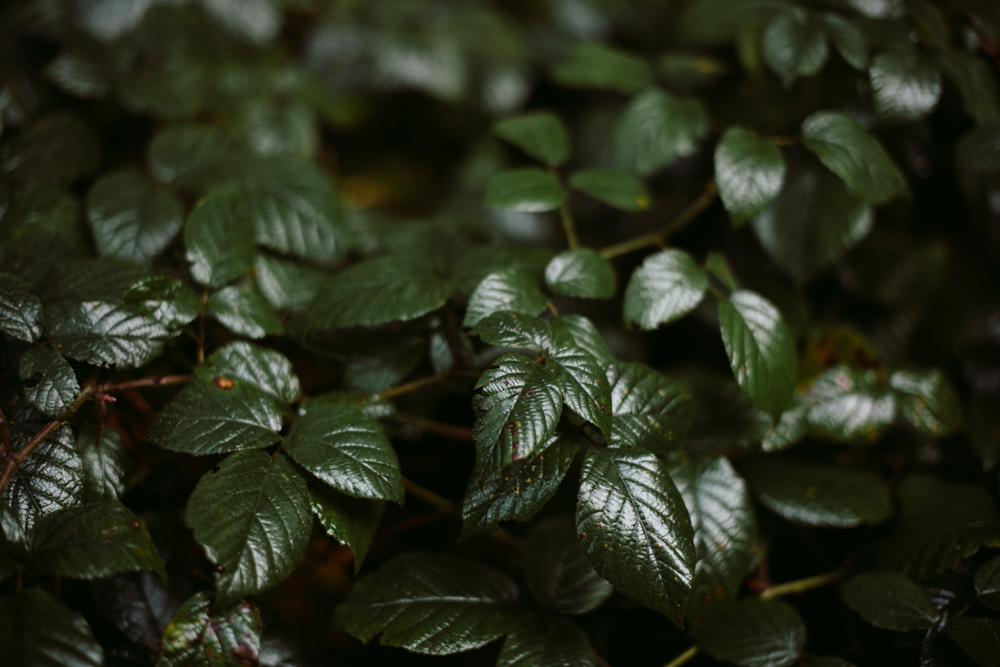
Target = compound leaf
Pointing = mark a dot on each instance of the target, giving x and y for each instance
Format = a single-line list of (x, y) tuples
[(584, 385), (648, 408)]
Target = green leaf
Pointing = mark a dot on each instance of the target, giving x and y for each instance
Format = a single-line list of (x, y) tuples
[(441, 356), (974, 80), (509, 329), (978, 637), (988, 583), (540, 135), (813, 222), (350, 521), (928, 401), (557, 571), (905, 88), (242, 309), (667, 286), (167, 300), (435, 604), (516, 411), (850, 405), (849, 39), (253, 517), (590, 65), (938, 525), (584, 385), (199, 634), (890, 601), (50, 383), (288, 285), (108, 334), (983, 424), (190, 155), (635, 529), (761, 349), (58, 148), (49, 480), (37, 631), (688, 71), (380, 290), (546, 641), (474, 265), (104, 463), (253, 21), (582, 332), (79, 74), (749, 172), (528, 190), (978, 151), (819, 495), (505, 290), (581, 272), (791, 427), (615, 188), (267, 370), (754, 633), (92, 542), (20, 312), (848, 150), (517, 492), (278, 128), (218, 415), (648, 408), (657, 128), (725, 530), (131, 217), (219, 239), (347, 449), (793, 45)]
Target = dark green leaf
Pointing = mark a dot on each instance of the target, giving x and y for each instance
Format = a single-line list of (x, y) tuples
[(749, 172), (904, 87), (657, 128), (890, 601), (200, 635), (978, 151), (101, 279), (110, 19), (666, 287), (761, 349), (254, 21), (51, 478), (431, 603), (219, 238), (58, 148), (635, 529), (979, 637), (615, 188), (928, 401), (50, 383), (819, 495), (648, 408), (286, 284), (850, 405), (350, 521), (279, 129), (252, 515), (546, 641), (791, 427), (470, 269), (190, 155), (938, 525), (581, 272), (725, 530), (983, 422), (347, 449), (718, 266), (244, 311), (509, 329), (848, 150), (92, 542), (793, 45), (131, 217), (79, 74), (725, 419), (813, 222), (540, 135), (848, 38), (167, 300), (590, 65), (108, 334), (557, 571), (684, 70), (506, 290), (528, 190), (516, 411), (441, 356), (266, 369), (380, 290), (755, 633), (37, 631), (975, 81), (988, 583), (583, 333), (584, 385), (218, 415), (517, 492), (379, 371), (20, 312), (104, 463)]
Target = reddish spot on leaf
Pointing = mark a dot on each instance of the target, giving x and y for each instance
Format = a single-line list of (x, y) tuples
[(223, 383)]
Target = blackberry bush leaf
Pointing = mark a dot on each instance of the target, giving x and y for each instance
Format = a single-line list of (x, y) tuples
[(755, 633), (50, 480), (584, 385), (850, 405), (666, 287), (589, 65), (267, 370), (648, 408), (20, 312), (219, 239), (108, 334), (749, 172), (105, 462), (506, 290), (200, 634), (50, 383), (36, 630), (557, 571), (656, 129), (546, 641), (350, 521), (793, 45), (527, 190), (242, 309), (582, 273), (131, 217), (890, 601), (507, 328), (540, 135), (615, 188), (928, 401)]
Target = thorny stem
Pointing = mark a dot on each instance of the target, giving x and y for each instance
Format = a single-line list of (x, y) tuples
[(659, 238), (442, 504), (567, 218)]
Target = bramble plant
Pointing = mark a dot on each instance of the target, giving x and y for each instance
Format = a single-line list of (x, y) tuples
[(551, 333)]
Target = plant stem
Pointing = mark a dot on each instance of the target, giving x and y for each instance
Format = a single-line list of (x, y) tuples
[(659, 238), (803, 585), (683, 657), (201, 327), (144, 382), (442, 504), (567, 218), (460, 433), (8, 446), (411, 386)]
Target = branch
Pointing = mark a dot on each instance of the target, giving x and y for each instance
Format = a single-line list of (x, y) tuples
[(144, 382), (7, 444), (567, 218), (442, 504), (659, 238), (460, 433), (412, 386)]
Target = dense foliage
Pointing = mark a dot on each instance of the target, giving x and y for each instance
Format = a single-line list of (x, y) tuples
[(674, 324)]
